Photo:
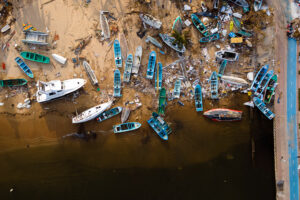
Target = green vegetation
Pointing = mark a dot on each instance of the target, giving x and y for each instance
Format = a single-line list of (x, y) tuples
[(181, 39)]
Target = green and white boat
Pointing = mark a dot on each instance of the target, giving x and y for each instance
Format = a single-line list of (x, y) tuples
[(35, 57), (13, 82)]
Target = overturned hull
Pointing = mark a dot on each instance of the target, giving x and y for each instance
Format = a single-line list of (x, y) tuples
[(223, 114), (151, 21)]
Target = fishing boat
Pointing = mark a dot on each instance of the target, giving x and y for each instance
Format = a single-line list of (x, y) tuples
[(257, 5), (125, 127), (137, 60), (158, 76), (158, 124), (242, 3), (104, 25), (60, 59), (263, 108), (198, 98), (151, 21), (244, 33), (5, 28), (270, 90), (223, 114), (259, 77), (227, 55), (237, 23), (170, 41), (222, 68), (210, 38), (118, 53), (162, 101), (128, 67), (90, 73), (153, 41), (117, 83), (35, 37), (91, 113), (234, 80), (199, 25), (177, 89), (109, 114), (214, 85), (151, 65), (262, 86), (177, 25), (13, 82), (125, 114), (124, 45), (216, 4), (35, 57), (24, 67), (47, 91)]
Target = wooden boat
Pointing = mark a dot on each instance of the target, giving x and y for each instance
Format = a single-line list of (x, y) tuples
[(263, 108), (257, 5), (234, 80), (244, 33), (153, 41), (227, 55), (24, 67), (199, 25), (262, 86), (137, 60), (90, 73), (259, 77), (158, 124), (242, 3), (210, 38), (35, 57), (198, 98), (60, 59), (5, 28), (118, 53), (151, 21), (162, 101), (109, 114), (237, 23), (222, 68), (214, 85), (223, 114), (177, 25), (270, 90), (104, 26), (151, 65), (158, 76), (13, 82), (125, 127), (170, 41), (35, 37), (128, 67), (117, 83), (177, 89), (91, 113), (125, 114)]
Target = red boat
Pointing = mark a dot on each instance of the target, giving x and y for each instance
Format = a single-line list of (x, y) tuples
[(223, 114)]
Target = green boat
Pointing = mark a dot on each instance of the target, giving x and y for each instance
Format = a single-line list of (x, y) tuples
[(162, 102), (35, 57), (13, 82), (270, 91)]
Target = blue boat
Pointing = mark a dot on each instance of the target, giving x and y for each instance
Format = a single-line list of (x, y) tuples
[(222, 68), (264, 83), (24, 67), (159, 126), (177, 89), (199, 25), (210, 38), (117, 83), (118, 53), (128, 67), (214, 85), (151, 65), (198, 98), (259, 77), (109, 114), (263, 108), (158, 77), (125, 127)]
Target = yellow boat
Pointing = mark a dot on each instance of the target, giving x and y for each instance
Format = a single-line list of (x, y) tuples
[(231, 25)]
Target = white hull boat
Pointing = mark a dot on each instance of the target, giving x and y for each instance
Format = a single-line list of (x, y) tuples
[(125, 114), (60, 59), (151, 21), (104, 26), (35, 37), (5, 28), (227, 55), (234, 80), (90, 73), (137, 60)]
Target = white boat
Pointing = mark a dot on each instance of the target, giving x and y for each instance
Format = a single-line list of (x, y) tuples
[(137, 60), (170, 41), (125, 114), (104, 26), (47, 91), (5, 28), (60, 59), (249, 103), (91, 113), (153, 41), (227, 55), (35, 37), (90, 73), (151, 21), (234, 80)]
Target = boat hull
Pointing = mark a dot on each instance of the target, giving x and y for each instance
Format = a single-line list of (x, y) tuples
[(137, 60), (118, 53), (90, 73), (35, 57), (126, 127), (59, 59), (117, 83), (109, 114), (128, 67), (199, 25), (223, 114), (24, 67), (151, 65), (214, 85), (259, 77), (198, 98), (262, 107), (161, 128)]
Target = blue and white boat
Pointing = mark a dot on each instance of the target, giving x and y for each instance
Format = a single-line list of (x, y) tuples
[(214, 85), (109, 114), (118, 53), (259, 77), (117, 83), (151, 65), (263, 108), (210, 38), (177, 89), (159, 126), (158, 76), (198, 98), (128, 67), (125, 127), (264, 83), (257, 5), (199, 25), (24, 67), (222, 68)]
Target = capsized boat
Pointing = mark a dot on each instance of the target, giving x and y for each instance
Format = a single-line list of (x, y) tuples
[(128, 67), (24, 67), (35, 57), (109, 114), (170, 41), (158, 76), (125, 114), (263, 108), (118, 53), (104, 26), (234, 80), (270, 90), (125, 127), (124, 44), (60, 59), (242, 3), (117, 83), (151, 65), (177, 25), (137, 60), (259, 77), (262, 86), (198, 98), (257, 5), (91, 113), (177, 89), (222, 68), (158, 124), (210, 38), (244, 33), (214, 85), (90, 73), (199, 25), (227, 55), (223, 114), (47, 91), (153, 41), (35, 37), (13, 82), (151, 21), (162, 101)]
